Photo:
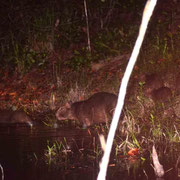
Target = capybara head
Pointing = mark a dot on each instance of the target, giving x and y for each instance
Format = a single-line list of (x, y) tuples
[(20, 117), (65, 112)]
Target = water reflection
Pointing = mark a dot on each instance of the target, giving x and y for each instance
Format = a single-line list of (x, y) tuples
[(23, 150)]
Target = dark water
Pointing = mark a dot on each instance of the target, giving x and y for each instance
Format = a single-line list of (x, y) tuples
[(22, 157), (22, 151)]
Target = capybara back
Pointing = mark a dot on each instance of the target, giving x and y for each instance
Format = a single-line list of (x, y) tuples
[(97, 109)]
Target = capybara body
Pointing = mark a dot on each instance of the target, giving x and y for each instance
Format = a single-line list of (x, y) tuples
[(97, 109), (13, 117), (162, 94), (152, 82), (155, 89)]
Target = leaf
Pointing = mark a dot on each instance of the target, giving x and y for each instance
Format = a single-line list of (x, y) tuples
[(133, 152)]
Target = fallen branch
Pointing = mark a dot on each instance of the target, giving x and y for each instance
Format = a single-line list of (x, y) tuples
[(158, 168), (2, 171)]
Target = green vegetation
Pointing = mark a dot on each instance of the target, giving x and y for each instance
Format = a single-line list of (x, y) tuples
[(38, 30), (44, 51)]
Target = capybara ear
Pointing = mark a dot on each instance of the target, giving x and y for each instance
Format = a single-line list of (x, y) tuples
[(68, 104)]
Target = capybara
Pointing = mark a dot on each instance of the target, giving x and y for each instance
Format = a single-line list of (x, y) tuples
[(152, 82), (97, 109), (13, 117), (162, 94)]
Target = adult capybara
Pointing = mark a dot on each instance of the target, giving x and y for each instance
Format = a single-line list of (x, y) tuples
[(14, 117), (97, 109)]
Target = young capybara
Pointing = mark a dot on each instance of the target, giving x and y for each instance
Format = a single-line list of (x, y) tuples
[(162, 94), (152, 82), (13, 117), (97, 109)]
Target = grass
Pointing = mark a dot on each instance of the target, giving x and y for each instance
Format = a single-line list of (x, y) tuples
[(132, 134), (60, 54)]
